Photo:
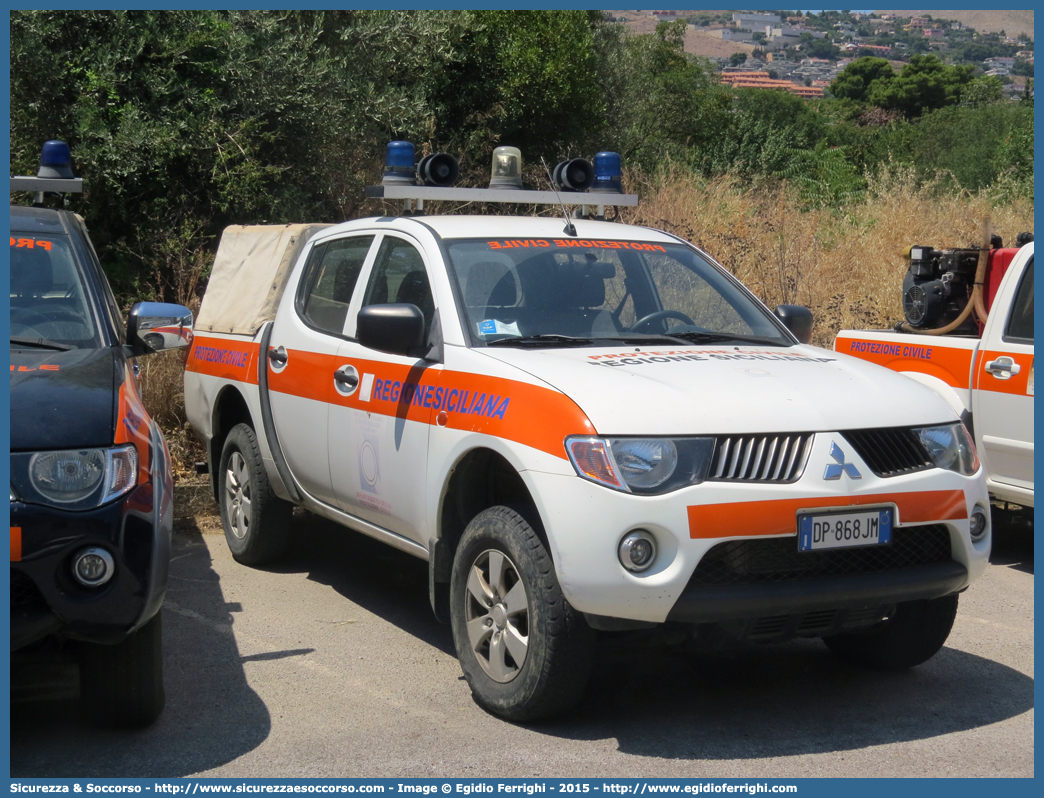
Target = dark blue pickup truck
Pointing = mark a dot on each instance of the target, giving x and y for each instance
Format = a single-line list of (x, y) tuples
[(91, 489)]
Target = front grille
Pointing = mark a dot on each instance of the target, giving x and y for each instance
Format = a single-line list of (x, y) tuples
[(760, 458), (739, 562), (24, 592), (889, 452)]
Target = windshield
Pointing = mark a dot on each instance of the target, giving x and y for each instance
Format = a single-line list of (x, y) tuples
[(536, 292), (49, 308)]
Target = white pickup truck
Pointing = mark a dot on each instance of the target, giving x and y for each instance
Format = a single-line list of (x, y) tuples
[(581, 427), (987, 377)]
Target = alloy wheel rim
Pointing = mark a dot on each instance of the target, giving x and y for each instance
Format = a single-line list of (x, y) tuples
[(497, 615), (237, 493)]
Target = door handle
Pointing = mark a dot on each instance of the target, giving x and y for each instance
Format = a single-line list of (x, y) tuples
[(1003, 368), (347, 378), (278, 356)]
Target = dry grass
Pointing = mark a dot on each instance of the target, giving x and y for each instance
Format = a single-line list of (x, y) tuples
[(163, 393), (846, 266)]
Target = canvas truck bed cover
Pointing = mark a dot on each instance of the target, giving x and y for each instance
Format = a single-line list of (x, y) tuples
[(250, 272)]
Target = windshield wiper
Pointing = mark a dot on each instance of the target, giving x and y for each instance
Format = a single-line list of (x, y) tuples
[(642, 338), (717, 338), (544, 339), (40, 343)]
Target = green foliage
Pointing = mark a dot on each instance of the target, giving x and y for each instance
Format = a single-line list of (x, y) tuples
[(525, 78), (924, 84), (855, 80), (823, 176), (737, 58), (1022, 67), (983, 91), (662, 103)]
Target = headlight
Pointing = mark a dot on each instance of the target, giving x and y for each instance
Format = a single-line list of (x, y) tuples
[(88, 477), (641, 465), (950, 447)]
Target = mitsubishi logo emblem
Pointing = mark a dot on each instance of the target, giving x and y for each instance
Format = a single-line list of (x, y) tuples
[(833, 470)]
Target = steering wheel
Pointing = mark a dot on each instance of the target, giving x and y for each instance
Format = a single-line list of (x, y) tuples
[(647, 322)]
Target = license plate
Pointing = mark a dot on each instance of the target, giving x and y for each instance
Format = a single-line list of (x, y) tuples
[(843, 529)]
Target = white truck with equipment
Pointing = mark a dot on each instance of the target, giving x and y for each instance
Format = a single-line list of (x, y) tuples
[(981, 364), (581, 425)]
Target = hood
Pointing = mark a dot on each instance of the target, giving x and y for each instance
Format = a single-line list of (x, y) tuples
[(729, 389), (62, 400)]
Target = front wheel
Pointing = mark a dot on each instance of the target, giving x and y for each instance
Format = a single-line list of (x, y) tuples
[(255, 520), (525, 652), (122, 685), (914, 634)]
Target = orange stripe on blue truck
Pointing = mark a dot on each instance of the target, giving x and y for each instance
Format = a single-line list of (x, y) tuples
[(16, 543)]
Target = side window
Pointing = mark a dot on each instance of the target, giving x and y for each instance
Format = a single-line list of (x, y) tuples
[(331, 279), (399, 277), (1020, 322)]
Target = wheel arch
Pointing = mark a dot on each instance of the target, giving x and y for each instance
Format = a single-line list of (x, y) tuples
[(230, 409), (479, 479)]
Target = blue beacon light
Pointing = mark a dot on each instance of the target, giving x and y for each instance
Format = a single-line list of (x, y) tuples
[(608, 172), (55, 161), (399, 168)]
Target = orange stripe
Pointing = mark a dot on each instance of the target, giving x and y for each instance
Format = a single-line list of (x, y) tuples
[(1017, 384), (223, 357), (132, 423), (16, 544), (517, 411), (525, 413), (779, 517), (922, 354)]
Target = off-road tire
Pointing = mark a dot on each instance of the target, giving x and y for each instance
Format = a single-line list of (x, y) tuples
[(557, 663), (122, 685), (257, 523), (913, 635)]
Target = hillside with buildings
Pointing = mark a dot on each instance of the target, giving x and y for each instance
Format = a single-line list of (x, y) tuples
[(803, 53), (1012, 22)]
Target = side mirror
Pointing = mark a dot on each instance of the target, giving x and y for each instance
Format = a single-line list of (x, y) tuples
[(157, 327), (797, 319), (398, 329)]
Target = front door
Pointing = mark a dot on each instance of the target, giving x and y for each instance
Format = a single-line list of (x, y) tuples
[(379, 421)]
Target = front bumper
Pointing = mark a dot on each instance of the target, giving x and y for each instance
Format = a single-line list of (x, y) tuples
[(585, 523), (46, 599)]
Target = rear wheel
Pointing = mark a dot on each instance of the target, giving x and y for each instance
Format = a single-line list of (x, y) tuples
[(255, 520), (122, 685), (525, 652), (914, 634)]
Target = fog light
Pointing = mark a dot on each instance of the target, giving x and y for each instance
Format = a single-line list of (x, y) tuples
[(979, 524), (93, 567), (637, 551)]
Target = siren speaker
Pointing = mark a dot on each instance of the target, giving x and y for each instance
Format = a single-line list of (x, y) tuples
[(438, 169), (574, 175)]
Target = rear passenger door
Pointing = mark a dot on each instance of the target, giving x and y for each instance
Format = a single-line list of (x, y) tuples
[(379, 419), (302, 358)]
